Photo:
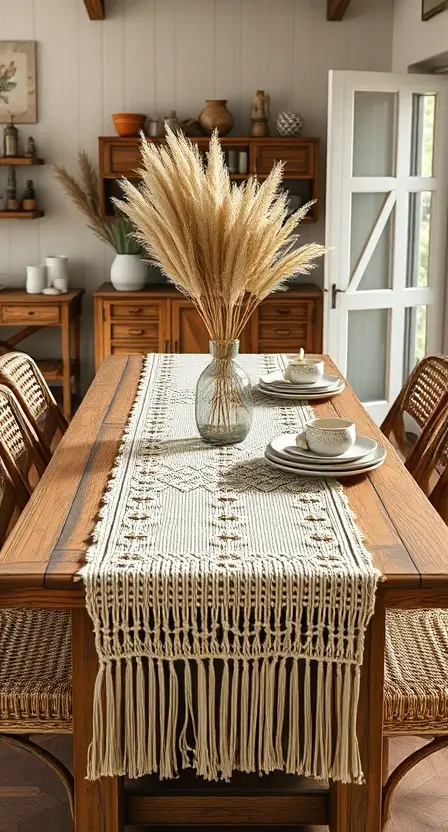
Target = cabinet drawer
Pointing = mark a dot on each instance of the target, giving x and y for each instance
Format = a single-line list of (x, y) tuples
[(135, 311), (140, 348), (135, 330), (28, 314), (121, 158), (282, 331), (284, 311), (298, 158)]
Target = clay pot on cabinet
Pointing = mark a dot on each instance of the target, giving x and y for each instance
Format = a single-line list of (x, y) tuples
[(216, 116), (128, 124)]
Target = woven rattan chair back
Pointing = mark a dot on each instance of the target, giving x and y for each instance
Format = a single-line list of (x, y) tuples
[(20, 449), (10, 505), (19, 372), (423, 397), (431, 465)]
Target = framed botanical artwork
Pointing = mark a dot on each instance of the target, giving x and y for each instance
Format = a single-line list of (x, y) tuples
[(18, 81), (432, 7)]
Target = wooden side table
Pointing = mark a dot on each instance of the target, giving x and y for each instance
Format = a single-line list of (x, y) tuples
[(36, 312)]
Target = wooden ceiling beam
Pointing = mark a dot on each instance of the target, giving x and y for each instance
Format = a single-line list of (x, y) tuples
[(95, 9), (336, 9)]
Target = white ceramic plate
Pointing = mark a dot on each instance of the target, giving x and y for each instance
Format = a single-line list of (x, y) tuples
[(303, 397), (308, 471), (277, 382), (286, 447), (375, 456)]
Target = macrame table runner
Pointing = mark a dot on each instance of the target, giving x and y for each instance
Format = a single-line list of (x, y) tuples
[(229, 600)]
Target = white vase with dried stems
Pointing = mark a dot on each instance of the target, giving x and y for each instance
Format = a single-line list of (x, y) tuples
[(128, 271), (226, 246)]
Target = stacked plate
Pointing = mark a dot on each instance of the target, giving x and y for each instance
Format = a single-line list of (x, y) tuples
[(273, 384), (284, 454)]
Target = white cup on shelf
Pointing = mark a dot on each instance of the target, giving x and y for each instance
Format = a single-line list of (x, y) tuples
[(36, 279)]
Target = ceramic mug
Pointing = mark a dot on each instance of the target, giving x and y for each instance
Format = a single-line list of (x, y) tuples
[(330, 437), (307, 371), (36, 279)]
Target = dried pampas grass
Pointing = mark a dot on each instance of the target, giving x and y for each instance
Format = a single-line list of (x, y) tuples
[(226, 246)]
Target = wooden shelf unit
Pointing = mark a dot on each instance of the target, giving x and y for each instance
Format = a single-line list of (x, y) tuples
[(21, 160), (21, 215), (120, 157), (161, 319)]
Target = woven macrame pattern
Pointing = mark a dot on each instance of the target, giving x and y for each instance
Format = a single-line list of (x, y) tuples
[(416, 674), (35, 670), (229, 600)]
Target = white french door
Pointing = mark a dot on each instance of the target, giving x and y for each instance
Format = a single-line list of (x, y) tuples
[(386, 227)]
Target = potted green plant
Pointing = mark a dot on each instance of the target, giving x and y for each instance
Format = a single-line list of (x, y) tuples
[(128, 271)]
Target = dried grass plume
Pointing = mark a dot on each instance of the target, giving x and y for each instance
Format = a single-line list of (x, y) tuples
[(225, 245)]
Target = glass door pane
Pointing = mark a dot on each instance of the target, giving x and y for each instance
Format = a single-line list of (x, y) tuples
[(366, 210), (374, 143), (417, 273), (423, 131), (415, 337), (367, 349)]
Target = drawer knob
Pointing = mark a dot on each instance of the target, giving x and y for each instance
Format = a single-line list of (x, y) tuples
[(136, 311), (283, 311), (31, 312), (283, 332), (136, 331)]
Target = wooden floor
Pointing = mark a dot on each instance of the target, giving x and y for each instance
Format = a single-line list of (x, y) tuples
[(33, 800)]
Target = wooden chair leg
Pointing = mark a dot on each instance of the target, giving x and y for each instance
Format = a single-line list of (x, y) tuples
[(400, 771), (385, 759)]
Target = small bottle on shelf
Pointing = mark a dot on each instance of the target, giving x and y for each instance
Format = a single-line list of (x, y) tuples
[(11, 139)]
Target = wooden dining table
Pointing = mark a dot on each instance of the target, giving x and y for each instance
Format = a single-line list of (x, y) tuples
[(39, 568)]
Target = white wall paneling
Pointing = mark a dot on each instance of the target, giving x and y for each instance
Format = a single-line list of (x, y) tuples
[(154, 55)]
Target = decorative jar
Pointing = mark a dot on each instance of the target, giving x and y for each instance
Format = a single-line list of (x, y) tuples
[(223, 397), (290, 124)]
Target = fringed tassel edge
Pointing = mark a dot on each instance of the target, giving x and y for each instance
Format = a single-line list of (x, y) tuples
[(257, 715)]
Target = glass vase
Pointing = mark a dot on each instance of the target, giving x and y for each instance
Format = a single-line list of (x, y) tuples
[(223, 397)]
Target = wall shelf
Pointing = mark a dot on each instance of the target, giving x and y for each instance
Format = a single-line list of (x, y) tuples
[(21, 215), (21, 160)]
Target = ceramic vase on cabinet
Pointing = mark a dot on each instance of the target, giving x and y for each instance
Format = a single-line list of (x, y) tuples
[(36, 279), (216, 116), (128, 273)]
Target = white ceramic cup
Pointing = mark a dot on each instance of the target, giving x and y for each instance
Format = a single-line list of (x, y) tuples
[(36, 279), (307, 371), (330, 437)]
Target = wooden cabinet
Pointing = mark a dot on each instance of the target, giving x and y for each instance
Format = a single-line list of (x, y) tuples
[(121, 157), (159, 319), (130, 326)]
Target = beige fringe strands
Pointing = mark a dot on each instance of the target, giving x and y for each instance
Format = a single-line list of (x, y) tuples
[(229, 601)]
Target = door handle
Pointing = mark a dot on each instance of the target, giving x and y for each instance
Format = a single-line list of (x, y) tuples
[(334, 295), (136, 331), (283, 332)]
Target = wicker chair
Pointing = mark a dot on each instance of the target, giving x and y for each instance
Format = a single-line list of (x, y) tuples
[(416, 671), (423, 397), (20, 449), (19, 372), (416, 685), (35, 664)]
